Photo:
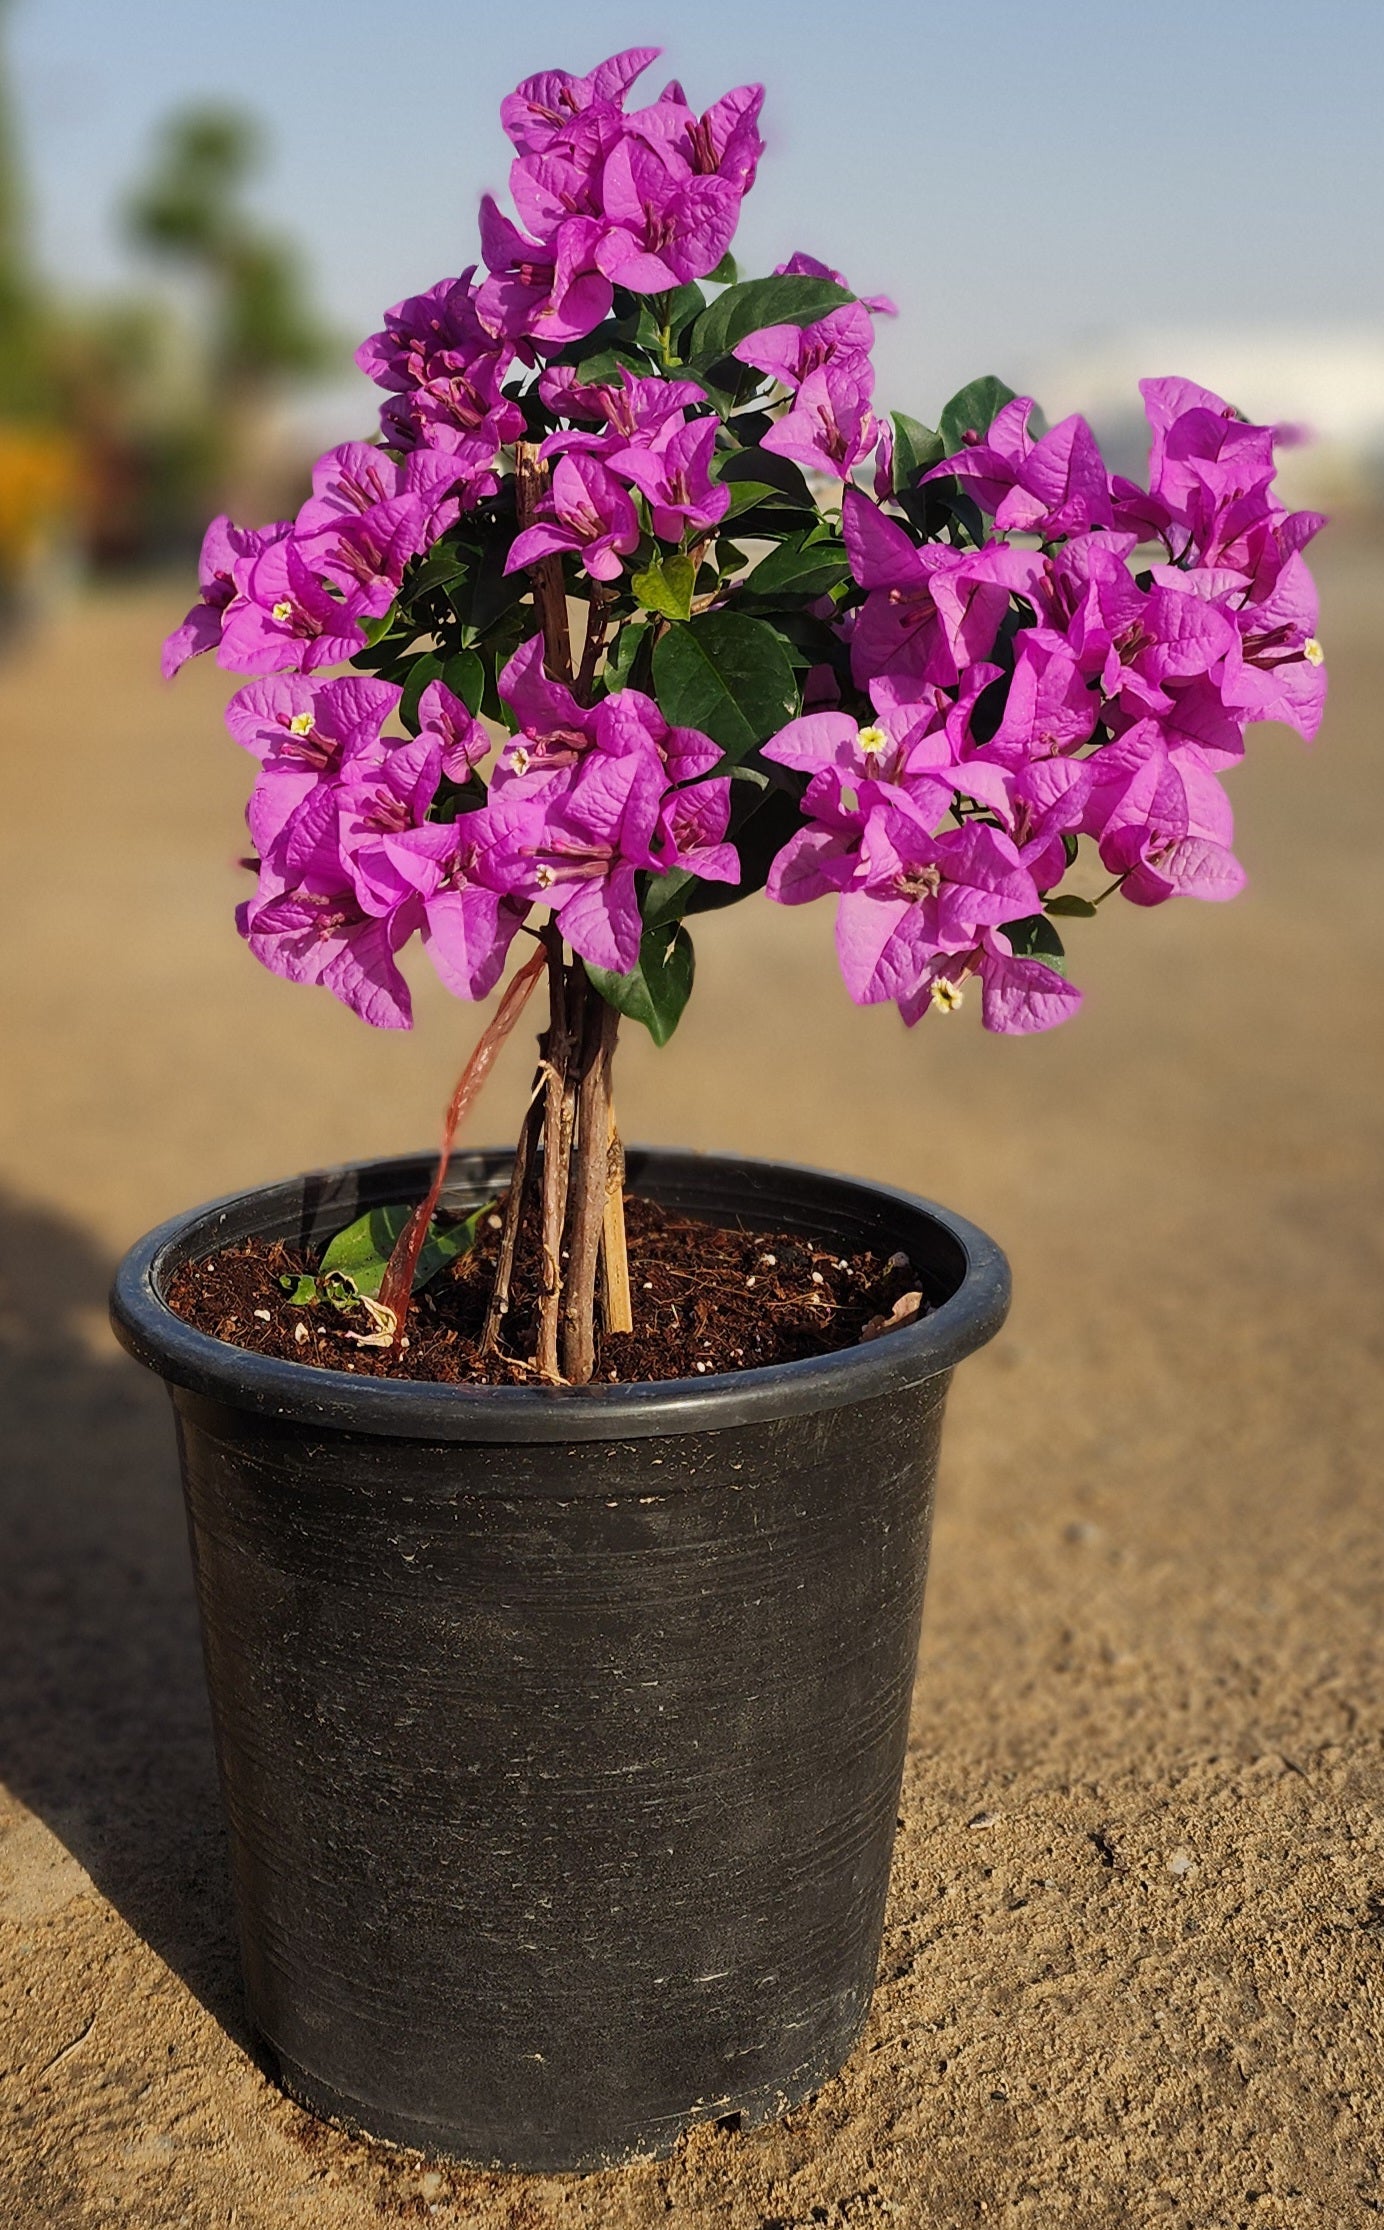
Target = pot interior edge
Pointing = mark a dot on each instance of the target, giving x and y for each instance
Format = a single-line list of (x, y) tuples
[(755, 1196)]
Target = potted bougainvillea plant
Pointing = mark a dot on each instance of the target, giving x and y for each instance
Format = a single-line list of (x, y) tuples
[(560, 1518)]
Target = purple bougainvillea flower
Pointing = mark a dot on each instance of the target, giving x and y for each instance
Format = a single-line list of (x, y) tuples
[(989, 467), (1177, 637), (816, 862), (365, 555), (1018, 994), (666, 224), (320, 933), (636, 410), (574, 841), (1191, 428), (352, 479), (1162, 820), (564, 181), (225, 547), (284, 620), (691, 832), (467, 928), (1086, 593), (1277, 671), (1054, 486), (790, 353), (543, 108), (932, 612), (1050, 705), (1063, 486), (553, 729), (459, 735), (916, 896), (1271, 544), (444, 368), (1048, 799), (674, 476), (304, 734), (426, 333), (568, 396), (905, 754), (461, 411), (830, 426), (587, 510), (374, 803), (724, 143), (551, 289)]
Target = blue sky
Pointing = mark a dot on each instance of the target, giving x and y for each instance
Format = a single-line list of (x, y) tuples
[(1018, 176)]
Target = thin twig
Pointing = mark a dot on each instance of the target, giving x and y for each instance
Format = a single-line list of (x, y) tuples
[(616, 1306), (566, 993), (597, 620), (514, 1210), (396, 1286)]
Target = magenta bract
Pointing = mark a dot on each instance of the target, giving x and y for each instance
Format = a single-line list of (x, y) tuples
[(968, 700)]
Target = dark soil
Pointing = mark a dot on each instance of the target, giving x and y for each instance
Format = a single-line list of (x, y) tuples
[(705, 1299)]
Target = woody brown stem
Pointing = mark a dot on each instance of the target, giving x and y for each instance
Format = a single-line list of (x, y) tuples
[(616, 1307), (513, 1216), (549, 589), (597, 621), (566, 1000), (587, 1198)]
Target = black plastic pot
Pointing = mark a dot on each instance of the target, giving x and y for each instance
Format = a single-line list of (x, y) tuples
[(561, 1731)]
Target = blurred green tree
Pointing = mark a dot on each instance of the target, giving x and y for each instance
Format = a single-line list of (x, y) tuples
[(191, 211), (25, 391)]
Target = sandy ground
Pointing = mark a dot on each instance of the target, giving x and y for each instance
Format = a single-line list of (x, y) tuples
[(1134, 1962)]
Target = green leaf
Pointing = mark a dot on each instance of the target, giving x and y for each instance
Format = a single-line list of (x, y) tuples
[(745, 494), (603, 369), (1034, 938), (683, 305), (1069, 904), (755, 303), (666, 898), (377, 629), (620, 663), (973, 410), (439, 569), (658, 987), (916, 448), (726, 273), (463, 673), (668, 586), (804, 565), (495, 591), (727, 674), (767, 470), (361, 1252)]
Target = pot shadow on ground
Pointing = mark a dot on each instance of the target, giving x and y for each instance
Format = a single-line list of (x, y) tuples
[(104, 1730)]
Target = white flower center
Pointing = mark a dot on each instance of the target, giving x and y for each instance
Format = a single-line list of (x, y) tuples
[(1312, 651), (945, 995)]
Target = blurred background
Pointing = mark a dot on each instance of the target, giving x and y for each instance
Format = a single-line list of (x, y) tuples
[(1159, 1558), (200, 217)]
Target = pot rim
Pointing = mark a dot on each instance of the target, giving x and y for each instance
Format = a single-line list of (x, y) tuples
[(956, 1254)]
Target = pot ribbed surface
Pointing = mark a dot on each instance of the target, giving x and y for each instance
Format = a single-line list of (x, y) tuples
[(561, 1740)]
